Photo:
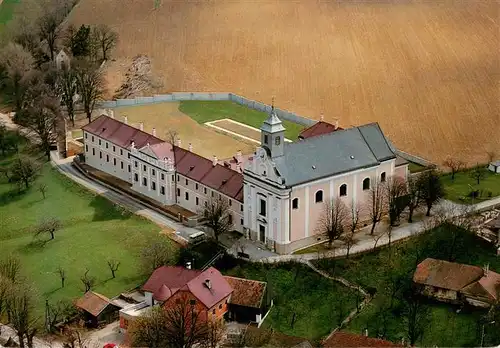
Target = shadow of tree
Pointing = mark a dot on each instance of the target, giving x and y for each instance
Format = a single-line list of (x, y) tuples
[(35, 246), (13, 195), (104, 210)]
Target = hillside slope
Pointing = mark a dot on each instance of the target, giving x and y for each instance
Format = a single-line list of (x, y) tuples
[(427, 71)]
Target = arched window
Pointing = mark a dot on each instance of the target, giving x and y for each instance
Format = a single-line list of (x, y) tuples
[(295, 203), (343, 190), (382, 177), (366, 184), (319, 196)]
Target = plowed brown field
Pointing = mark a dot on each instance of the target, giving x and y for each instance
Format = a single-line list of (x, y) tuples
[(427, 71)]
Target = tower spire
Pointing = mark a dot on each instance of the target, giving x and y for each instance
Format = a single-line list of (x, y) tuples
[(272, 104)]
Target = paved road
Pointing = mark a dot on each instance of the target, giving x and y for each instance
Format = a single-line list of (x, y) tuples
[(134, 205)]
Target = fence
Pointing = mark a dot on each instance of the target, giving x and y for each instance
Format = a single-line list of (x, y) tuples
[(414, 159), (207, 96)]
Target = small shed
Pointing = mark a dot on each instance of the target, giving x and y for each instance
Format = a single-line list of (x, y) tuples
[(96, 308), (248, 302), (494, 166)]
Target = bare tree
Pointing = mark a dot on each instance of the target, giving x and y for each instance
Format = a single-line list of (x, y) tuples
[(42, 188), (62, 275), (454, 166), (376, 203), (48, 29), (217, 216), (332, 221), (113, 266), (354, 215), (5, 291), (48, 225), (395, 190), (376, 238), (478, 173), (105, 38), (67, 90), (10, 268), (178, 326), (55, 313), (23, 171), (413, 198), (74, 338), (90, 85), (416, 317), (158, 253), (214, 333), (431, 188), (88, 281), (21, 307), (16, 62), (349, 241)]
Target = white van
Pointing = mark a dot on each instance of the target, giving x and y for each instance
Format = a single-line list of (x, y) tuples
[(197, 238)]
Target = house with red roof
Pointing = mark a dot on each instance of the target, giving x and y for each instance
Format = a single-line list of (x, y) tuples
[(457, 283), (347, 339), (212, 295)]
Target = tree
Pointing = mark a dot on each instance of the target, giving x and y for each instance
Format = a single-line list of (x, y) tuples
[(376, 203), (62, 275), (5, 291), (90, 85), (48, 29), (416, 317), (79, 41), (354, 216), (10, 268), (178, 326), (73, 338), (54, 313), (395, 189), (478, 173), (67, 90), (88, 281), (158, 253), (413, 197), (113, 266), (431, 188), (332, 220), (376, 238), (48, 225), (16, 62), (454, 165), (23, 171), (105, 38), (42, 188), (349, 241), (21, 307), (217, 217), (214, 333)]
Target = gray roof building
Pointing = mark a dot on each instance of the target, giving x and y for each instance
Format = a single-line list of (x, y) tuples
[(333, 153)]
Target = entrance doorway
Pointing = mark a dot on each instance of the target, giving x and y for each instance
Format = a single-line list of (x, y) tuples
[(262, 233)]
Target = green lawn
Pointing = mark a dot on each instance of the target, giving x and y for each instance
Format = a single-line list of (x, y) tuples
[(6, 11), (459, 189), (373, 270), (319, 304), (206, 111), (94, 230)]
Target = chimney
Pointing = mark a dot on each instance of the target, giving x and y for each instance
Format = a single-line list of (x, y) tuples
[(141, 126), (336, 124), (154, 132), (486, 269), (208, 284), (238, 168), (239, 156), (179, 143), (125, 119), (147, 144), (321, 117), (366, 332), (214, 161), (132, 145), (190, 147), (188, 265)]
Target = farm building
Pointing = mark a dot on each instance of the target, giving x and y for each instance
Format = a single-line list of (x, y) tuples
[(249, 300), (275, 196), (457, 283), (96, 308), (347, 339)]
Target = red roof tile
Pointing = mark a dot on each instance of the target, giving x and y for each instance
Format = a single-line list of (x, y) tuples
[(487, 287), (345, 339), (119, 133), (173, 277), (446, 275), (246, 292), (219, 287), (319, 128), (163, 150), (92, 303)]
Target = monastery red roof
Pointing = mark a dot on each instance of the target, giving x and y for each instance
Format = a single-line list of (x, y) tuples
[(319, 128)]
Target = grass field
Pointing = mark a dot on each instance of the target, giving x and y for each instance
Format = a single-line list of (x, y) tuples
[(206, 111), (425, 70), (7, 11), (319, 304), (446, 328), (166, 117), (94, 230), (459, 189)]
